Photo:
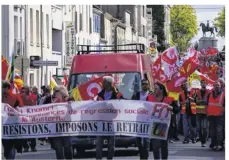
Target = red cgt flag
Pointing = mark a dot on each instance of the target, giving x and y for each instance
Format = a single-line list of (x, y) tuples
[(90, 89), (156, 68), (188, 67)]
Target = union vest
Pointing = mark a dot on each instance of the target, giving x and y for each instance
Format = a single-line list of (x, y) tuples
[(215, 105), (183, 106), (201, 109)]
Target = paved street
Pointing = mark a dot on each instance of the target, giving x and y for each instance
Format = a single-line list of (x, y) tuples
[(177, 151)]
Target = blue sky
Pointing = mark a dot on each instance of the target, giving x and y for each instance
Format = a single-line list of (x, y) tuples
[(204, 13)]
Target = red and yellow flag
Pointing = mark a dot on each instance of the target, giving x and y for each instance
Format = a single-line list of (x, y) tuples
[(89, 90)]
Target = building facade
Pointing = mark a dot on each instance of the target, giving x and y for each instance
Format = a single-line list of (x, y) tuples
[(13, 30), (42, 30), (167, 24)]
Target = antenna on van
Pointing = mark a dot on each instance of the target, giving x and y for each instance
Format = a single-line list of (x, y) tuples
[(129, 48)]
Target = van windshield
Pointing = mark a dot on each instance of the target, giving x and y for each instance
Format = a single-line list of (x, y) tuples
[(127, 83)]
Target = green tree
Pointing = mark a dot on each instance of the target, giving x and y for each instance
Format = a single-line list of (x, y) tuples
[(158, 15), (220, 23), (183, 25)]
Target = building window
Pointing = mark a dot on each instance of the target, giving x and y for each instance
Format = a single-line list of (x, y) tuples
[(21, 27), (65, 9), (31, 26), (90, 25), (76, 22), (81, 22), (31, 77), (47, 29), (96, 19), (87, 18), (143, 11), (15, 8), (15, 27), (37, 28), (43, 28), (143, 28)]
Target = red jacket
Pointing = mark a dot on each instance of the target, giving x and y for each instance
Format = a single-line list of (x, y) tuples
[(13, 100)]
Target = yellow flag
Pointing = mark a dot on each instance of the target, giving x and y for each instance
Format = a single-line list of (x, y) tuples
[(76, 94), (174, 95), (53, 83)]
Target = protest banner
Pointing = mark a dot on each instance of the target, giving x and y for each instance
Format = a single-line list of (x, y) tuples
[(87, 118)]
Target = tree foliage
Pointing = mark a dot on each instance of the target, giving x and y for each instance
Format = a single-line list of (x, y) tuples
[(183, 25), (220, 23), (158, 14)]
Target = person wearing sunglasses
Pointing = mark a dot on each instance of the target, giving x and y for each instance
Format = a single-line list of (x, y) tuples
[(143, 95)]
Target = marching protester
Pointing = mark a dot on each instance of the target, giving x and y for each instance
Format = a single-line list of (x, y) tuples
[(36, 96), (61, 145), (108, 92), (201, 117), (11, 145), (216, 113), (144, 95), (28, 100), (188, 111), (46, 98), (160, 147), (222, 84)]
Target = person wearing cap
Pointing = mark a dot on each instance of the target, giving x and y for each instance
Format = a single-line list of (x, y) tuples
[(188, 112), (160, 147), (201, 116), (11, 145), (216, 113), (108, 92), (144, 95)]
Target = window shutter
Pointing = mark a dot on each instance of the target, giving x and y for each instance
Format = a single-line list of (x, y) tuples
[(76, 18)]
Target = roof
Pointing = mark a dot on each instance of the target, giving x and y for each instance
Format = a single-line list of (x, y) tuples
[(112, 62)]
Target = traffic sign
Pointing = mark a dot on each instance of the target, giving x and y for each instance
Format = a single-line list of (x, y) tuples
[(45, 63)]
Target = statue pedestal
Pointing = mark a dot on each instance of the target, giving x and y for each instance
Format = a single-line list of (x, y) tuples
[(205, 42)]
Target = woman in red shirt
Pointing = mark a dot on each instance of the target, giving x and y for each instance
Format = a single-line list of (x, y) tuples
[(62, 145), (160, 147)]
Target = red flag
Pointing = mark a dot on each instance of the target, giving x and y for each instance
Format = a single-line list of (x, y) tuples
[(90, 89), (170, 56), (5, 66), (170, 61), (156, 67), (189, 66), (174, 85), (162, 76), (211, 51), (65, 83)]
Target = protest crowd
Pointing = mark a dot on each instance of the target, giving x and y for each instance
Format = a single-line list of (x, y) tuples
[(197, 113)]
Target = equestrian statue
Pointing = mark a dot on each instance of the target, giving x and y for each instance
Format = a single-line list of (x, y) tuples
[(207, 28)]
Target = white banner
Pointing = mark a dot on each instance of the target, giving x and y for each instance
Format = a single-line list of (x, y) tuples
[(114, 117)]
